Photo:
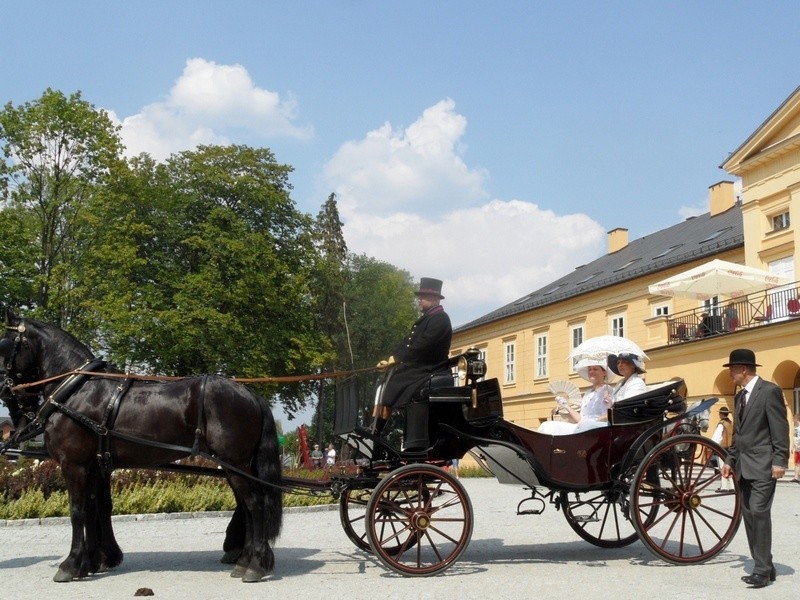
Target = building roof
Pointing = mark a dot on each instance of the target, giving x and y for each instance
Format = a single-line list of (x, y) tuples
[(692, 239)]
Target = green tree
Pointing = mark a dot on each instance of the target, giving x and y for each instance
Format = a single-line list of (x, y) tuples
[(329, 288), (57, 151), (203, 264), (380, 311)]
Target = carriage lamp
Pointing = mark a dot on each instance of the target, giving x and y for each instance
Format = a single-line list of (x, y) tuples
[(471, 366)]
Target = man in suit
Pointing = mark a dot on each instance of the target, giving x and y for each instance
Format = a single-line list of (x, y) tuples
[(758, 457), (424, 351)]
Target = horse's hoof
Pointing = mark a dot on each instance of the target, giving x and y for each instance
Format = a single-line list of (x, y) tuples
[(63, 576), (238, 571), (231, 556), (253, 575)]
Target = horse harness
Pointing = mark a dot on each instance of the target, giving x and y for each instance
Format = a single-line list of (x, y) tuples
[(105, 429)]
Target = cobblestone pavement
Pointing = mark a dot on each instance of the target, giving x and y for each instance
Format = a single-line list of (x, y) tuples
[(510, 556)]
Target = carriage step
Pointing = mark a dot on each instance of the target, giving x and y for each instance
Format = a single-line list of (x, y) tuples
[(585, 519), (531, 511)]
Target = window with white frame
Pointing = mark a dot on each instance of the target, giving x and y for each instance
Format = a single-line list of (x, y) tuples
[(618, 325), (662, 310), (780, 221), (510, 370), (576, 339), (541, 355)]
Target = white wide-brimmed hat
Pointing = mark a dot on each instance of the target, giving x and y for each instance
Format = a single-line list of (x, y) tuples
[(582, 367)]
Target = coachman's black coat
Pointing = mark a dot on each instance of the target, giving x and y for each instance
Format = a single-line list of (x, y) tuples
[(425, 350)]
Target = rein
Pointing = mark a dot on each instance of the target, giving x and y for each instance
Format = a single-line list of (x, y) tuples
[(165, 378)]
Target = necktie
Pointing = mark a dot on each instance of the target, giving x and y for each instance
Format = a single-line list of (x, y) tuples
[(742, 401)]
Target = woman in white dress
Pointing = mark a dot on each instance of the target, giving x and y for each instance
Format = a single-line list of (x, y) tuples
[(594, 406), (630, 367)]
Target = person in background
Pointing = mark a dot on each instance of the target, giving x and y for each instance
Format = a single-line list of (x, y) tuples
[(796, 449), (630, 367), (316, 457), (330, 455), (723, 435), (424, 351), (758, 457)]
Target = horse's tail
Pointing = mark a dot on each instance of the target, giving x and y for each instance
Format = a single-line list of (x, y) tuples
[(268, 468)]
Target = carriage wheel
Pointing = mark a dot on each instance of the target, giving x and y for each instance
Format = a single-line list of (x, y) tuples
[(601, 517), (696, 522), (419, 520), (352, 514)]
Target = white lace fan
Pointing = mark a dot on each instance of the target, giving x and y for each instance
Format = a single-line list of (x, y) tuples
[(564, 389)]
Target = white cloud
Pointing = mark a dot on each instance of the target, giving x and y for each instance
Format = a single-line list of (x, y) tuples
[(419, 168), (407, 197), (210, 104)]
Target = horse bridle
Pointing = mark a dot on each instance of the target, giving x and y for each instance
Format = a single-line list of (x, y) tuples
[(19, 341)]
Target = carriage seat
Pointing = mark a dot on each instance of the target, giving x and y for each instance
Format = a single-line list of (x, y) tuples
[(436, 381), (650, 405), (458, 406)]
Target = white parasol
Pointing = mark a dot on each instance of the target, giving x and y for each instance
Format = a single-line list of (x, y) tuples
[(717, 278), (601, 346)]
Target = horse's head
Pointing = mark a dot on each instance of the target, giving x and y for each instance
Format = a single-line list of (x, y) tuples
[(31, 350), (16, 351)]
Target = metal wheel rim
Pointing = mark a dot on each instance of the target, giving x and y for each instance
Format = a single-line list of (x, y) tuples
[(419, 520), (695, 523)]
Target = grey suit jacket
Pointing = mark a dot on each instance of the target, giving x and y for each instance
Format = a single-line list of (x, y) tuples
[(761, 436)]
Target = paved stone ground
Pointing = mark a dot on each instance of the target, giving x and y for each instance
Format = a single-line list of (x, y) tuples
[(510, 556)]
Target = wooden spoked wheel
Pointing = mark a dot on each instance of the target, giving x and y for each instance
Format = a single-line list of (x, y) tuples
[(695, 521), (353, 513), (601, 517), (419, 520)]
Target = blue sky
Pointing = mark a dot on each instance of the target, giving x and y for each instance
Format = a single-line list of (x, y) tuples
[(490, 144)]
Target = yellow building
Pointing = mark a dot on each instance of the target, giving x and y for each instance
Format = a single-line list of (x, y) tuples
[(527, 342)]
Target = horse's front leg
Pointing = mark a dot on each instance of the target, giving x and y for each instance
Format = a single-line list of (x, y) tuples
[(76, 564)]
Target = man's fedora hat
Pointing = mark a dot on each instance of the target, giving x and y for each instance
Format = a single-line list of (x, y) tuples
[(430, 287), (724, 412), (742, 356)]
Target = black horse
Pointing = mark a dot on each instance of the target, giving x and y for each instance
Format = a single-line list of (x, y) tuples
[(154, 423)]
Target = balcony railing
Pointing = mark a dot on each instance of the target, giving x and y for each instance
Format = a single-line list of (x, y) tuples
[(753, 310)]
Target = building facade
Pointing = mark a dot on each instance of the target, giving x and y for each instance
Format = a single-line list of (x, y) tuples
[(527, 342)]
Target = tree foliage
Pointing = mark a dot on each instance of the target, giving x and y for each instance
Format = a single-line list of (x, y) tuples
[(201, 263), (56, 150), (380, 308)]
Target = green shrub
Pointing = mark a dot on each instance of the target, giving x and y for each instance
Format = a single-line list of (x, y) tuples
[(33, 489)]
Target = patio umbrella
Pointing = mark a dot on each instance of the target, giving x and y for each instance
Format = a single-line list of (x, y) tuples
[(717, 278), (601, 346)]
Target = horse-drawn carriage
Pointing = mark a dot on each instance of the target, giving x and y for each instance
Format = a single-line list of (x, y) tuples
[(642, 477)]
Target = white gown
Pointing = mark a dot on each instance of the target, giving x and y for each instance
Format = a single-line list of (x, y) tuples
[(594, 406)]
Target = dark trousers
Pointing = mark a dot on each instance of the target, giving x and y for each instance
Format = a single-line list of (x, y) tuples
[(757, 495)]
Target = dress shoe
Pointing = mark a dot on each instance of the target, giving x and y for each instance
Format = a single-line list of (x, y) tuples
[(756, 581), (772, 575)]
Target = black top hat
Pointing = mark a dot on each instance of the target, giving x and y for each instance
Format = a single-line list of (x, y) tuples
[(742, 356), (430, 287)]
